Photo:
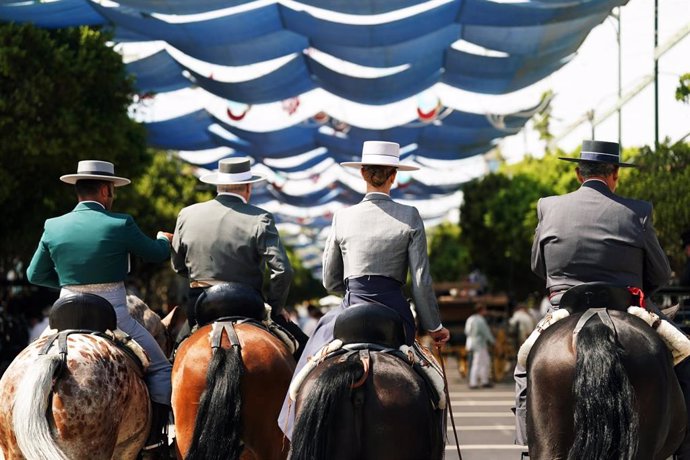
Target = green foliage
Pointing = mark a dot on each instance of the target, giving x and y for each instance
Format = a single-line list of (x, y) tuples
[(683, 89), (304, 286), (497, 220), (448, 257), (156, 197), (63, 98), (549, 172), (663, 177), (542, 120)]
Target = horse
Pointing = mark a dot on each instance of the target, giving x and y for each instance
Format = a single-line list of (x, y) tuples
[(229, 381), (609, 393), (367, 403), (88, 403)]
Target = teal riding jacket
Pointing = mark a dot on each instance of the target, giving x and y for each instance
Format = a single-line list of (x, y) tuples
[(91, 245)]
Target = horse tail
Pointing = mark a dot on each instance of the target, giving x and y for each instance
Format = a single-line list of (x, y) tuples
[(606, 421), (30, 407), (311, 438), (217, 427)]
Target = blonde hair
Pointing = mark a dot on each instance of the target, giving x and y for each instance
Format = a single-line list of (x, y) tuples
[(377, 175)]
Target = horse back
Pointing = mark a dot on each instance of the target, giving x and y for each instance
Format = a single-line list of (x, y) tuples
[(648, 364)]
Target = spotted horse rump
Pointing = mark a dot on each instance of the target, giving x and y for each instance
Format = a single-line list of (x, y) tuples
[(92, 405)]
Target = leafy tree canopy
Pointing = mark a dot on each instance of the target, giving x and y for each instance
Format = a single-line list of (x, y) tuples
[(449, 258), (63, 98)]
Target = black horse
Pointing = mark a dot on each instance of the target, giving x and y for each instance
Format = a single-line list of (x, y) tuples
[(609, 393), (365, 405)]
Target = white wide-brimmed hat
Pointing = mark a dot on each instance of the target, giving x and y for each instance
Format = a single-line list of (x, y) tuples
[(95, 170), (380, 153), (232, 171)]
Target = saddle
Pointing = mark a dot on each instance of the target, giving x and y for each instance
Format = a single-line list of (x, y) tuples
[(582, 297), (365, 328), (86, 313), (231, 303)]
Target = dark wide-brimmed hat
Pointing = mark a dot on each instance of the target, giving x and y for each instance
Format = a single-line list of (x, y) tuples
[(380, 153), (95, 170), (600, 152), (232, 171)]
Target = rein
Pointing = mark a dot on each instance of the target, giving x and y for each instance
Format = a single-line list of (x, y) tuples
[(450, 405)]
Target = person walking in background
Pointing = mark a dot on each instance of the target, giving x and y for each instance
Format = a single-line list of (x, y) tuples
[(522, 323), (229, 240), (479, 338), (87, 251)]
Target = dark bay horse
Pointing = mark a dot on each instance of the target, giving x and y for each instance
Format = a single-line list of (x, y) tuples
[(92, 405), (610, 396), (366, 405), (226, 399)]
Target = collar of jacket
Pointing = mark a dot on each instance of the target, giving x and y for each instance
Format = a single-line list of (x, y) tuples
[(376, 196), (598, 186), (229, 199), (89, 205)]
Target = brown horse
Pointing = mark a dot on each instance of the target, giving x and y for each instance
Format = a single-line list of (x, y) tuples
[(367, 403), (612, 395), (229, 380), (92, 405)]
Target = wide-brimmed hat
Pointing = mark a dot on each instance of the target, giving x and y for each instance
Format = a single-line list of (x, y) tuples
[(232, 171), (95, 170), (600, 152), (380, 153)]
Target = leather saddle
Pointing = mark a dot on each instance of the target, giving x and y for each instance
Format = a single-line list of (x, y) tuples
[(82, 312), (86, 313), (370, 323), (229, 300), (582, 297)]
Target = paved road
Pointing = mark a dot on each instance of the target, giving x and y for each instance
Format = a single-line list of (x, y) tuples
[(484, 421)]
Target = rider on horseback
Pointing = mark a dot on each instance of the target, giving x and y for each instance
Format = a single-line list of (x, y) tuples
[(87, 251), (591, 235), (368, 253), (229, 240)]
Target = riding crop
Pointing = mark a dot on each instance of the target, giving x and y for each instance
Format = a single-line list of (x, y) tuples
[(450, 404)]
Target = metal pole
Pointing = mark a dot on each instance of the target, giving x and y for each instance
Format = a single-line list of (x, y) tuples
[(656, 75), (620, 70)]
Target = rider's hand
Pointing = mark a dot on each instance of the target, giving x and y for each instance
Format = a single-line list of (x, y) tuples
[(440, 337), (167, 235)]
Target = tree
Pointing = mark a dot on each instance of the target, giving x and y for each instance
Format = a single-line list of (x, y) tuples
[(448, 257), (663, 177), (683, 89), (497, 220), (63, 98)]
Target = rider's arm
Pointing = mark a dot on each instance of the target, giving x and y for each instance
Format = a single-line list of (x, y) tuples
[(332, 262), (179, 249), (41, 270), (273, 254), (138, 243), (422, 290), (538, 266), (657, 270)]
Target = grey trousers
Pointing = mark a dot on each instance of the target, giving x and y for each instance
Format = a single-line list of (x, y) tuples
[(157, 376)]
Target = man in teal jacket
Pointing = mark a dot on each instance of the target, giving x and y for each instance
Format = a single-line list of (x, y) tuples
[(87, 250)]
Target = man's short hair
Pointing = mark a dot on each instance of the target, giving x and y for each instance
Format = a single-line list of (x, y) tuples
[(88, 187), (592, 169), (231, 188)]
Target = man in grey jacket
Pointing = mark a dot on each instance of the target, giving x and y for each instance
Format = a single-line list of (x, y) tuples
[(593, 234), (229, 240)]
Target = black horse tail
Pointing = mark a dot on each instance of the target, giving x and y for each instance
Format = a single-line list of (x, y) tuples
[(606, 421), (311, 439), (217, 427)]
